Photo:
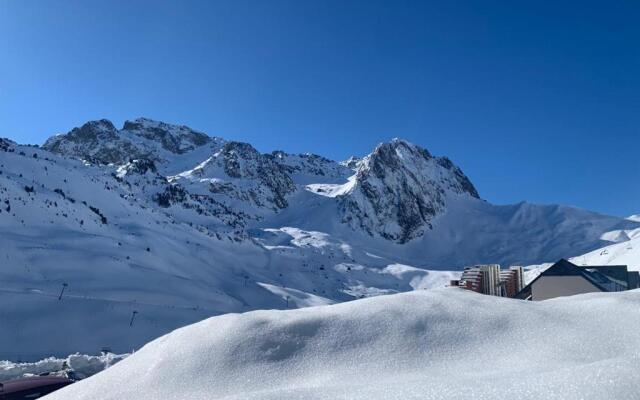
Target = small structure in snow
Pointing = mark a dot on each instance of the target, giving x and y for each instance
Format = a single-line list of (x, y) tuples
[(566, 279), (492, 280)]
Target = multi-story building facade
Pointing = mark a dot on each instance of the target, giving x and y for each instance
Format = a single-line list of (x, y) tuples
[(490, 279)]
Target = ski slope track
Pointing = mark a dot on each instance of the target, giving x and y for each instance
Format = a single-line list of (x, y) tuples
[(112, 237)]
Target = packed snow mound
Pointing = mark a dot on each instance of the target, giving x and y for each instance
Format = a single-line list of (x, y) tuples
[(440, 344)]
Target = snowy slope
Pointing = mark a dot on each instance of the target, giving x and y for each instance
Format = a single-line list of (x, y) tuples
[(625, 250), (623, 253), (62, 221), (441, 344), (163, 220), (468, 232), (635, 217)]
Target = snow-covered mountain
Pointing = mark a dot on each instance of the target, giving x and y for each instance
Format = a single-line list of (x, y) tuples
[(399, 189), (99, 142), (177, 226)]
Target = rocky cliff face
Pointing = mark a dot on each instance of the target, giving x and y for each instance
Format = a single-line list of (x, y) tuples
[(399, 189), (6, 145), (311, 168), (99, 142), (395, 192), (239, 173), (177, 139)]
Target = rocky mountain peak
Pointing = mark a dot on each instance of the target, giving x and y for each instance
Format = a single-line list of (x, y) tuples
[(396, 191), (6, 144), (90, 132), (99, 142), (238, 175), (241, 160), (96, 141), (395, 154), (400, 188), (177, 139)]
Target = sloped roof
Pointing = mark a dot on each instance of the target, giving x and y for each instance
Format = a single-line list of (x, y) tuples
[(617, 272), (566, 268), (562, 267)]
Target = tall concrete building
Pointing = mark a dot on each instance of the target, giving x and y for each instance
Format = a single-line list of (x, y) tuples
[(512, 281), (490, 279)]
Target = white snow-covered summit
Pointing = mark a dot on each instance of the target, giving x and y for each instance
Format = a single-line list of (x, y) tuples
[(166, 221)]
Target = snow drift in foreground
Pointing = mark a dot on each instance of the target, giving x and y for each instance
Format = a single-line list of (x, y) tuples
[(438, 344)]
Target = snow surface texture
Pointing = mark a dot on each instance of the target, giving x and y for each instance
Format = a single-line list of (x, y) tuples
[(78, 366), (440, 344), (165, 226)]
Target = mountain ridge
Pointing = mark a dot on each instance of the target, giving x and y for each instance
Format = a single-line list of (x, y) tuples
[(186, 232), (412, 198)]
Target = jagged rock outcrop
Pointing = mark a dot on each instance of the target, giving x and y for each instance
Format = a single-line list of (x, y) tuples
[(139, 167), (99, 142), (239, 172), (399, 189), (352, 162), (311, 168), (176, 139), (396, 191), (6, 144)]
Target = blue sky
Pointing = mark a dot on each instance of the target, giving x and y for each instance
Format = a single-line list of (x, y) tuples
[(535, 100)]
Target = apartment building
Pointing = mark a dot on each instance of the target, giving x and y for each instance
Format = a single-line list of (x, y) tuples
[(490, 279)]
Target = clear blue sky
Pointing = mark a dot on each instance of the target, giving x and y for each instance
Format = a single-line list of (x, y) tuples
[(535, 100)]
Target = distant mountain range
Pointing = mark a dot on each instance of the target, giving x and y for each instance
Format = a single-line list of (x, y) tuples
[(176, 225)]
